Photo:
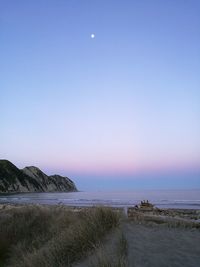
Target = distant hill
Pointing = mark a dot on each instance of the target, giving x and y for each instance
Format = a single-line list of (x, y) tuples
[(31, 179)]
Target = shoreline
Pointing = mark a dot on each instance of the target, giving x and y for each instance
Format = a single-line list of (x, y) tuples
[(165, 215), (120, 207), (178, 199), (90, 204)]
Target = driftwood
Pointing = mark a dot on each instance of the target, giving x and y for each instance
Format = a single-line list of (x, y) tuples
[(144, 206)]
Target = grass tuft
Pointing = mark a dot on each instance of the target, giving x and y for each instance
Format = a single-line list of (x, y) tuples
[(111, 256), (51, 236)]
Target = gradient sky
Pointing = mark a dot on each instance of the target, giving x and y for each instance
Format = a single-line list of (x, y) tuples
[(118, 111)]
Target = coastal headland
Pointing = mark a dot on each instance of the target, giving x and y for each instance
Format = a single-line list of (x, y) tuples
[(31, 179)]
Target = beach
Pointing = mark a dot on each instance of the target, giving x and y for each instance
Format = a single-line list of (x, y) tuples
[(169, 237), (155, 245), (152, 245), (161, 238)]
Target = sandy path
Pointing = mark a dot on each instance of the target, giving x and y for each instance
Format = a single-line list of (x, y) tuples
[(152, 246), (160, 246)]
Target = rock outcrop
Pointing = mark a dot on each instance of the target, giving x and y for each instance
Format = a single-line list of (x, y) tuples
[(31, 179)]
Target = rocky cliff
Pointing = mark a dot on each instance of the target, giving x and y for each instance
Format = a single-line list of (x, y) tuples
[(31, 179)]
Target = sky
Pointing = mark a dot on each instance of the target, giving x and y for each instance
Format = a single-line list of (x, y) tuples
[(120, 110)]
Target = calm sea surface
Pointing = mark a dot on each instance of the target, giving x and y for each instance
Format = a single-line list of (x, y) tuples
[(161, 198)]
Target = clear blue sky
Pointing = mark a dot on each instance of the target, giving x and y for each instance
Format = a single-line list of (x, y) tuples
[(120, 110)]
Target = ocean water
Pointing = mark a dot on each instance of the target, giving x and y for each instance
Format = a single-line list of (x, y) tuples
[(186, 199)]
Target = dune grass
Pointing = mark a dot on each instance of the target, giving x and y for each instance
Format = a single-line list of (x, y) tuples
[(33, 236), (111, 255)]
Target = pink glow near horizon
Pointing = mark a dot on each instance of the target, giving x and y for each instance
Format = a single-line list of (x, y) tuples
[(125, 158), (125, 102), (122, 168)]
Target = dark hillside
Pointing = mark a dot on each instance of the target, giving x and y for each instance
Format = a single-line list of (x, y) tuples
[(12, 179), (31, 179)]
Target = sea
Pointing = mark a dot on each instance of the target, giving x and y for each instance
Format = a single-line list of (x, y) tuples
[(179, 199)]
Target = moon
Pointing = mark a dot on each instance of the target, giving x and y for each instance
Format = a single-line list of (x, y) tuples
[(92, 35)]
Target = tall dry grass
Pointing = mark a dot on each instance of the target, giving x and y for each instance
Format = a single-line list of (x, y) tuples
[(111, 256), (51, 236)]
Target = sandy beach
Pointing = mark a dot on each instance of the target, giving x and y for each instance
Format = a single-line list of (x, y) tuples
[(172, 239), (148, 245), (158, 245), (158, 238)]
